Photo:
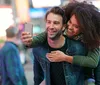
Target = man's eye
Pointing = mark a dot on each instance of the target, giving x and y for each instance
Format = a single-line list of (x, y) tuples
[(48, 22), (56, 22)]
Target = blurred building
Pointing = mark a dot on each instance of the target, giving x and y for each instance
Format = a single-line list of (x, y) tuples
[(20, 11)]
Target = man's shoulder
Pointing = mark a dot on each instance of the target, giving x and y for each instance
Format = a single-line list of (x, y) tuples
[(75, 47), (44, 46), (74, 42), (36, 48), (41, 50)]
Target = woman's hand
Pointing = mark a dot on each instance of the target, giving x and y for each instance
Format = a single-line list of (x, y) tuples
[(56, 56)]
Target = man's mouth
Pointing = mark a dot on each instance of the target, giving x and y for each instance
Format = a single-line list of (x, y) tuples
[(51, 31)]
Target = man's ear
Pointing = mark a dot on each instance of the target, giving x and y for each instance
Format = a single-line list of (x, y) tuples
[(64, 27)]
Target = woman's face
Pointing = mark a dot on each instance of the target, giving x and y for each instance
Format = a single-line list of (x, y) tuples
[(73, 28)]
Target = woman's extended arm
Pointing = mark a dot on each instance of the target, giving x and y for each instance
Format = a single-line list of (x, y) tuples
[(39, 39), (91, 60)]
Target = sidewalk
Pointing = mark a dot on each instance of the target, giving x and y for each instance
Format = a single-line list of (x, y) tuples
[(28, 67), (29, 72)]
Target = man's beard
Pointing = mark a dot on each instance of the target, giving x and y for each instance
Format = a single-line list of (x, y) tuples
[(57, 36)]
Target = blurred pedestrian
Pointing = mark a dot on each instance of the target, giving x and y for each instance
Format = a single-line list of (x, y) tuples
[(12, 72)]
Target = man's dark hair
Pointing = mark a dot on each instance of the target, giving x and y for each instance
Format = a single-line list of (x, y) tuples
[(59, 11), (11, 32)]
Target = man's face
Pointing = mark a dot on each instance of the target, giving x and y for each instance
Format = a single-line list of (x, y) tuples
[(54, 25), (73, 27)]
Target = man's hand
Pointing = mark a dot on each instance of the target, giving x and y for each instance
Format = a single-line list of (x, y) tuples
[(26, 38), (56, 56)]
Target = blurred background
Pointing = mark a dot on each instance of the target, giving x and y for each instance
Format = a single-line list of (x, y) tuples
[(18, 12)]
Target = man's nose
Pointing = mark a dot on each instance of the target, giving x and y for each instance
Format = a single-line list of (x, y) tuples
[(51, 25)]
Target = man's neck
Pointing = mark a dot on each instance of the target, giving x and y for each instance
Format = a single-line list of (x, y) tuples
[(57, 43), (14, 40)]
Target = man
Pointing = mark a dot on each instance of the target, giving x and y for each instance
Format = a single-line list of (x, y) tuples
[(61, 72), (12, 72)]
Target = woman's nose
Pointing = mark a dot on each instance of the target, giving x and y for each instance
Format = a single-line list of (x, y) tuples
[(70, 26)]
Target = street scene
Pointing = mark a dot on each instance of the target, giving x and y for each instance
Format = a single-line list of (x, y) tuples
[(58, 40), (29, 72)]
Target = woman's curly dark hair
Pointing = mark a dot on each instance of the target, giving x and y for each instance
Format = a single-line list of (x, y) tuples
[(88, 18)]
